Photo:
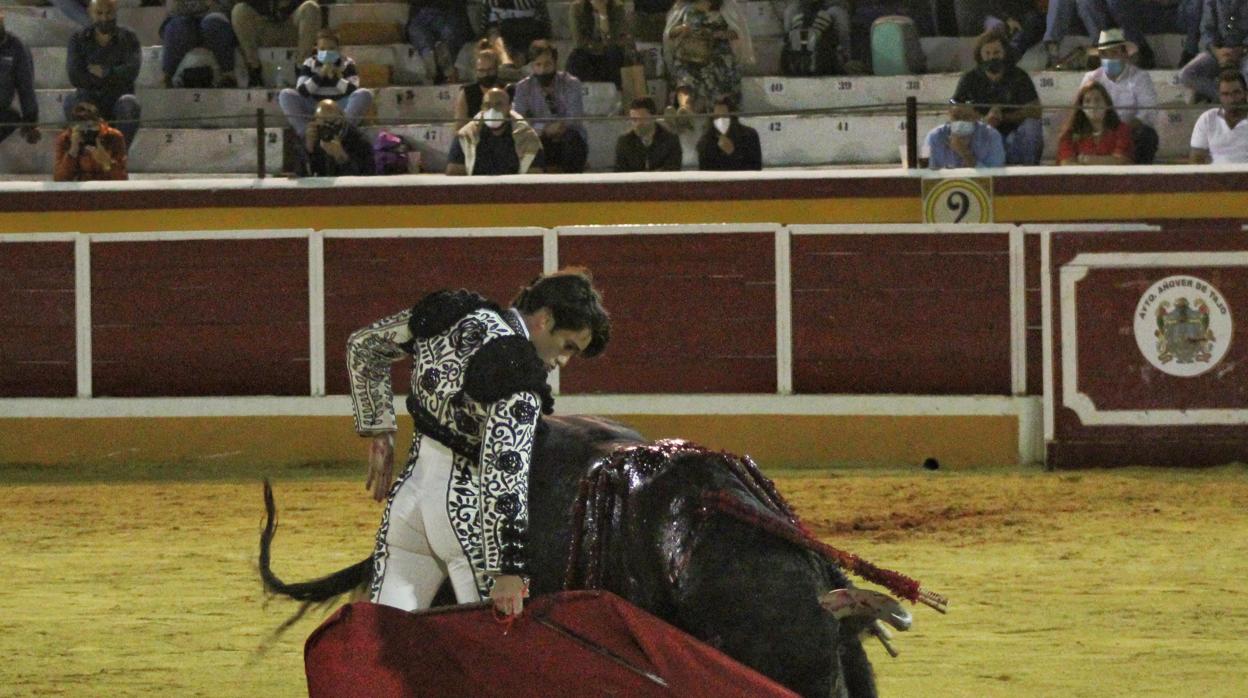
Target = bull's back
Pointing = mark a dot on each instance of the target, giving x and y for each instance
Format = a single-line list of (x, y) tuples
[(566, 447)]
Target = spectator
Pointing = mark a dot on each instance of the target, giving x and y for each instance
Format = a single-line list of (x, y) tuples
[(964, 141), (497, 141), (1059, 17), (193, 23), (707, 41), (1131, 15), (1223, 37), (333, 147), (602, 44), (468, 101), (1094, 135), (647, 147), (512, 25), (438, 29), (1006, 98), (551, 101), (1130, 90), (1020, 20), (89, 148), (74, 10), (727, 144), (1221, 135), (327, 75), (103, 63), (274, 23), (17, 79), (819, 31)]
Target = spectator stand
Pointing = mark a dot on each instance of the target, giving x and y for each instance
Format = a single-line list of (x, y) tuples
[(803, 122)]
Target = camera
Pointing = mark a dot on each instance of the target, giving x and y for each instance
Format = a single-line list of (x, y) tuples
[(328, 131), (90, 135)]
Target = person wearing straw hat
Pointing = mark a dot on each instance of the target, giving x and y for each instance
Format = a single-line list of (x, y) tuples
[(1223, 38), (1131, 15), (1130, 89)]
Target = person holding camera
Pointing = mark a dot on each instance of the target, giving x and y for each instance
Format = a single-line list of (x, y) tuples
[(335, 148), (89, 149)]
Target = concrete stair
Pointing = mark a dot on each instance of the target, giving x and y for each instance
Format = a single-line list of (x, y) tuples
[(175, 151)]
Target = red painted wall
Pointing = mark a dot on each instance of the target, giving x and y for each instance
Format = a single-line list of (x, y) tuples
[(37, 345), (904, 313), (690, 313), (200, 317)]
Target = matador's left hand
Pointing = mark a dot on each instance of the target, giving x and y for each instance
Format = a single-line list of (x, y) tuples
[(380, 465)]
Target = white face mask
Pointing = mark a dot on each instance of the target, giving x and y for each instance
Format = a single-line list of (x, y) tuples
[(493, 118), (961, 129), (722, 124)]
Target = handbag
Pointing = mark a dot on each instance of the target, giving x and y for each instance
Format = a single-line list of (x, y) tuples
[(695, 47)]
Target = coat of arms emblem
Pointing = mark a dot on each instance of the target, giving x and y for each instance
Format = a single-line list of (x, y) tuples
[(1183, 325), (1183, 332)]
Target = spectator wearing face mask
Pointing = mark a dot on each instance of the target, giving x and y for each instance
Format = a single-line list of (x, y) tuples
[(1221, 135), (1094, 135), (89, 149), (1006, 98), (728, 144), (1130, 90), (103, 63), (552, 101), (964, 141), (17, 79), (326, 75), (333, 147), (647, 147), (497, 141), (468, 101)]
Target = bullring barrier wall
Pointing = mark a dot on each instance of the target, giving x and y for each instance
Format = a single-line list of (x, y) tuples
[(137, 337)]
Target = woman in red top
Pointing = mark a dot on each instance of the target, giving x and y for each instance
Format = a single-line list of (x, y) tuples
[(1094, 135)]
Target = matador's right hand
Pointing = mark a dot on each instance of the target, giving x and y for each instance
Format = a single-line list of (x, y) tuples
[(380, 465)]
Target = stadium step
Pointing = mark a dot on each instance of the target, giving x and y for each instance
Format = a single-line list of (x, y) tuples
[(46, 26), (778, 93), (235, 108), (175, 151)]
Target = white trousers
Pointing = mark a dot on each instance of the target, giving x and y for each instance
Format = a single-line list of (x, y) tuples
[(419, 549)]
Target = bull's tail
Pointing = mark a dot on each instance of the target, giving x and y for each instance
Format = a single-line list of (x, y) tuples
[(311, 592)]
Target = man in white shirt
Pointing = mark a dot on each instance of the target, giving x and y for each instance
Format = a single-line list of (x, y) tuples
[(1131, 90), (1221, 135)]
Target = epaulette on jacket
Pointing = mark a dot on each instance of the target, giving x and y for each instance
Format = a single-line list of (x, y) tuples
[(439, 311)]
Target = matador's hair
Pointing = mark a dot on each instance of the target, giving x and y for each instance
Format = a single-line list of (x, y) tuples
[(573, 302)]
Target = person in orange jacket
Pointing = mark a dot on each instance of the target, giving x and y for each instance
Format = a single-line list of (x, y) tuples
[(89, 149)]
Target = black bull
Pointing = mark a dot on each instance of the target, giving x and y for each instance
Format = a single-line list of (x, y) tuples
[(730, 584)]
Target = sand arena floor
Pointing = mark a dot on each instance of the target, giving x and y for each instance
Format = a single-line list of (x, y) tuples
[(1122, 583)]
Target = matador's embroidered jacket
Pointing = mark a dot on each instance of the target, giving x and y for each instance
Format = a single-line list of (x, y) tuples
[(477, 388)]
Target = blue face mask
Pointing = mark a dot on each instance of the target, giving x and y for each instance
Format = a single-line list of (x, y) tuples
[(961, 129), (327, 56), (1113, 66)]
